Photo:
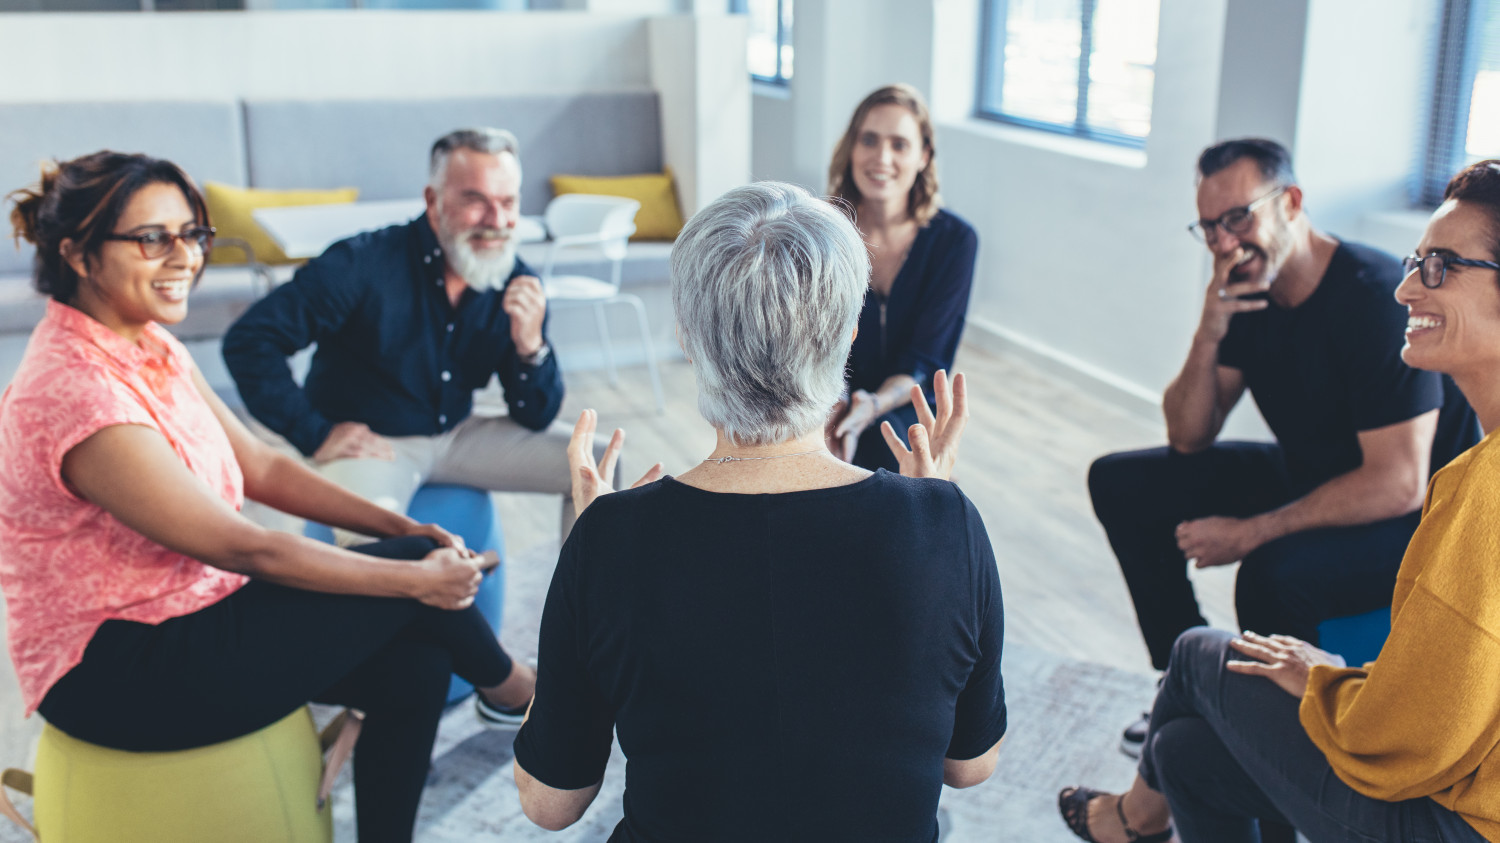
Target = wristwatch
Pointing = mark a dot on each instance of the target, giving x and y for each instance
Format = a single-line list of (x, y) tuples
[(536, 358)]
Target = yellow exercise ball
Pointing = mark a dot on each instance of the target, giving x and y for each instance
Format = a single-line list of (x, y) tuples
[(256, 788)]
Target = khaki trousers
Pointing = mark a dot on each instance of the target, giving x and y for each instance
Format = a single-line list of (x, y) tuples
[(486, 452)]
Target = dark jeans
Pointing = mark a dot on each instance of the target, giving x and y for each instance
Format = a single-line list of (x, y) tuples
[(1287, 586), (872, 452), (1228, 750), (262, 652)]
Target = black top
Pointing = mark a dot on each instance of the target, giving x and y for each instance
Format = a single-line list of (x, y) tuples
[(789, 667), (924, 314), (392, 353), (1331, 367)]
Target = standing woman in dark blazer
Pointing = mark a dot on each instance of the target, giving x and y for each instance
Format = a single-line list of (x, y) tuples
[(922, 267)]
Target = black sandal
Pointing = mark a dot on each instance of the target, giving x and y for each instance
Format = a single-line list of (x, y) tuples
[(1073, 804)]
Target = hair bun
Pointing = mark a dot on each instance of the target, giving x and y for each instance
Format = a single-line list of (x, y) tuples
[(26, 214)]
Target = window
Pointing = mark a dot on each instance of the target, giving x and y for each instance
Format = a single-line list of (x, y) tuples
[(770, 46), (1465, 123), (1079, 67)]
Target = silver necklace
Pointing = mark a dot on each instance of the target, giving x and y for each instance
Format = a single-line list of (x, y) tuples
[(725, 459)]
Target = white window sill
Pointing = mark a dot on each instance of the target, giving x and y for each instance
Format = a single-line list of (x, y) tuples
[(770, 90), (1092, 150)]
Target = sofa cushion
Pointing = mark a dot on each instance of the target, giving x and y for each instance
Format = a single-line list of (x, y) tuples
[(230, 209), (659, 217), (335, 143), (204, 138)]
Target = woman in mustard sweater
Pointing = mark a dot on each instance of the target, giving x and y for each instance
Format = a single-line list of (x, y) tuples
[(1406, 748)]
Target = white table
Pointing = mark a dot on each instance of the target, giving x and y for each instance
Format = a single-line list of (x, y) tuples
[(306, 231)]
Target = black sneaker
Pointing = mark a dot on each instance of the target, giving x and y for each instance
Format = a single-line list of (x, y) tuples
[(496, 717), (1134, 736)]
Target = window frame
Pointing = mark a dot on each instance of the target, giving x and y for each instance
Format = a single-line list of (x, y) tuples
[(991, 65), (782, 79), (1455, 65)]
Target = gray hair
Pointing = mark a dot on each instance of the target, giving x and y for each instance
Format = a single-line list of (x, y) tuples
[(481, 139), (767, 284)]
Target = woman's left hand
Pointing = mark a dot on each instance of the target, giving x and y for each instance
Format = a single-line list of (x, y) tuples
[(442, 537), (934, 439), (1280, 658)]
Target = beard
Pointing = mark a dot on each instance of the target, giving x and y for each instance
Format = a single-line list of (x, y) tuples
[(480, 271)]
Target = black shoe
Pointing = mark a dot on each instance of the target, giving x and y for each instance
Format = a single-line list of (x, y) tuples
[(1134, 736)]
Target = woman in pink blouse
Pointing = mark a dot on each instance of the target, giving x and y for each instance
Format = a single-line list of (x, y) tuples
[(144, 613)]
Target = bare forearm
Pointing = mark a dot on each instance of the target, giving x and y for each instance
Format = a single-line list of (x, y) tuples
[(1361, 496), (1191, 402), (549, 807), (893, 393), (288, 485)]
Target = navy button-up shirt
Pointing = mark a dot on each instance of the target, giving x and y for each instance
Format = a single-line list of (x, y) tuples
[(392, 353)]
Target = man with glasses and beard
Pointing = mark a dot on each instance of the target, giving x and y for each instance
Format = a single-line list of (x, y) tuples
[(409, 321), (1320, 518)]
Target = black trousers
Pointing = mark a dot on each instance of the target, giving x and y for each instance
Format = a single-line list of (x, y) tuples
[(260, 653), (1286, 586)]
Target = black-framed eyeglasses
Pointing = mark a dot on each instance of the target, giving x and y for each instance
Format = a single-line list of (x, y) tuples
[(1434, 267), (158, 243), (1236, 221)]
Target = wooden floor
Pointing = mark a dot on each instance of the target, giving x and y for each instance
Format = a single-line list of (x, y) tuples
[(1025, 455)]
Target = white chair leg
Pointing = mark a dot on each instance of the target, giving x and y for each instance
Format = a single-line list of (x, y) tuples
[(645, 328), (609, 352)]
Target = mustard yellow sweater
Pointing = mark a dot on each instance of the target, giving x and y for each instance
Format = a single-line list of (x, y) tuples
[(1424, 718)]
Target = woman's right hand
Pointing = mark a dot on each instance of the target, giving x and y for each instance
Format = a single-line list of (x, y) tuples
[(450, 579), (590, 481)]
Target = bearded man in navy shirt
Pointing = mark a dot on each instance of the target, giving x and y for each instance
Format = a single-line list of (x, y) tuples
[(409, 321)]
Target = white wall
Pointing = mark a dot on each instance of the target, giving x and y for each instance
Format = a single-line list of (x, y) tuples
[(706, 138), (316, 54), (1084, 262)]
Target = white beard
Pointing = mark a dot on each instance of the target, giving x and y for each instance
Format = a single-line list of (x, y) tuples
[(482, 272)]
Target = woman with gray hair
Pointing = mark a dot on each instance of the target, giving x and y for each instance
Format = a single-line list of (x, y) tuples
[(789, 647)]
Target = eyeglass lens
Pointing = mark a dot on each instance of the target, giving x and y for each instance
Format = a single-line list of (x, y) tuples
[(155, 244), (1432, 268)]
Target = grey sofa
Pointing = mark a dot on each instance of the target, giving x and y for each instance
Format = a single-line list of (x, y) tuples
[(379, 146)]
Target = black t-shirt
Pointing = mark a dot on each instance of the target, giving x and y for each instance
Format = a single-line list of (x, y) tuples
[(789, 667), (1331, 367)]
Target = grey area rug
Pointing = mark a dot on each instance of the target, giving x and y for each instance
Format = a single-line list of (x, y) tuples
[(1065, 722)]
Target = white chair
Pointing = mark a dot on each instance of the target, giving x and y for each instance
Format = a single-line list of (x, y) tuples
[(597, 226)]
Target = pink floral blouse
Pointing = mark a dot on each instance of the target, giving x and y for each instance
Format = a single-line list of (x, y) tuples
[(66, 565)]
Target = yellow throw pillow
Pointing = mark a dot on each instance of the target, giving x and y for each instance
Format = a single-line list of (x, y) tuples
[(659, 217), (229, 210)]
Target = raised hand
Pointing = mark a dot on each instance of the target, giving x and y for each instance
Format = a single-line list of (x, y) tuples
[(351, 441), (935, 438), (591, 481)]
